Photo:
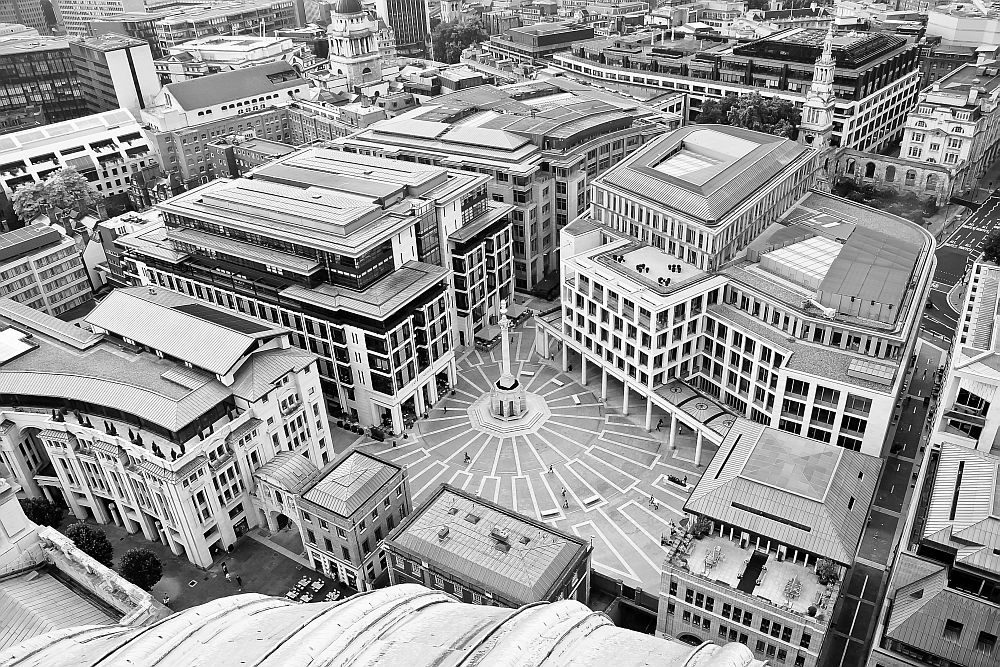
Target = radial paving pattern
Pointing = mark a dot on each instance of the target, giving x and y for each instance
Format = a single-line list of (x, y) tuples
[(604, 468)]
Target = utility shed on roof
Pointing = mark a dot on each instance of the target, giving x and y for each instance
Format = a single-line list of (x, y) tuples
[(466, 543)]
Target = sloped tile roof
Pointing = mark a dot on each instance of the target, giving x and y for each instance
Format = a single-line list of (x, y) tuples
[(799, 491), (289, 471), (349, 482), (224, 87)]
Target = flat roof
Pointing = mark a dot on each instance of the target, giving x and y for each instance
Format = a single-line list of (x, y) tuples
[(801, 492), (494, 547), (109, 41), (349, 482), (17, 44), (25, 240), (78, 130), (704, 171)]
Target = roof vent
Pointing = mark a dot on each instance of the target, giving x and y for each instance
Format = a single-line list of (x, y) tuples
[(472, 518), (452, 510), (443, 532), (524, 539), (501, 534), (152, 290)]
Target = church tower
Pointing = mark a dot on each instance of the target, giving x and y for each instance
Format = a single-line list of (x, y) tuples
[(816, 126), (353, 45)]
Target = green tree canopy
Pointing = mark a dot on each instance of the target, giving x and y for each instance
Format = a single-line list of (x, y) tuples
[(991, 247), (450, 39), (141, 567), (41, 511), (753, 112), (66, 189), (92, 541)]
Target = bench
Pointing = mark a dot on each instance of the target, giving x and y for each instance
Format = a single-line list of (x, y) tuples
[(547, 514), (556, 382), (576, 399)]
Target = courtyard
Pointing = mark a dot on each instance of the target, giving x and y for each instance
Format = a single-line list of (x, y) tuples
[(581, 466)]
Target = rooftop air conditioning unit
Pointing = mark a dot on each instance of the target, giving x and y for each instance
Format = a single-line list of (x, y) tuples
[(443, 532), (501, 534)]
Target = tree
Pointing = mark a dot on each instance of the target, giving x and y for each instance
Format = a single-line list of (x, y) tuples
[(92, 541), (701, 527), (41, 511), (66, 189), (141, 567), (991, 247), (450, 39), (753, 112), (827, 571)]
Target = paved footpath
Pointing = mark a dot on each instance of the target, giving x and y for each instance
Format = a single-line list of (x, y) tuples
[(586, 469)]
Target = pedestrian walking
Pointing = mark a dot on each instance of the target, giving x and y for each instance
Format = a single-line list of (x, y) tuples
[(166, 599), (550, 469), (659, 424), (229, 577), (651, 499), (564, 492), (685, 480), (239, 582), (566, 504), (225, 568)]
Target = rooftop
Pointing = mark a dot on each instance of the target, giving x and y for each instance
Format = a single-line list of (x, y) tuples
[(207, 337), (289, 471), (109, 42), (348, 483), (16, 45), (24, 241), (965, 77), (206, 91), (35, 603), (965, 493), (79, 130), (405, 625), (704, 171), (497, 549), (801, 492)]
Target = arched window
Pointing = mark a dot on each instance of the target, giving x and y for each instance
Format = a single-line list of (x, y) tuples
[(930, 183), (911, 177), (870, 170), (851, 166), (890, 174), (958, 129), (921, 123)]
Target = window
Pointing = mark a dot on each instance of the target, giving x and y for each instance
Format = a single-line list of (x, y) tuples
[(307, 517), (310, 537), (986, 642), (341, 533), (952, 630), (375, 514), (328, 544), (365, 548), (345, 553), (361, 526), (806, 638)]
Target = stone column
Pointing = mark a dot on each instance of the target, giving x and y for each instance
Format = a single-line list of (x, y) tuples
[(47, 492), (625, 398), (697, 450), (583, 369), (418, 401), (565, 358), (649, 414), (397, 418), (673, 431), (604, 384)]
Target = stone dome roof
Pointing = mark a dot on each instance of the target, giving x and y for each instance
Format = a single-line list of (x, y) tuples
[(348, 7), (400, 626)]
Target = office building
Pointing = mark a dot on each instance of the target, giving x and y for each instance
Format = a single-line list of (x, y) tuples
[(410, 23), (115, 72), (211, 55), (388, 626), (536, 43), (158, 419), (968, 24), (540, 142), (344, 512), (106, 148), (956, 123), (41, 268), (26, 13), (780, 519), (38, 73), (186, 116), (876, 77), (73, 15), (113, 271), (942, 606), (322, 120), (380, 266), (485, 554), (709, 278), (968, 413), (232, 157), (228, 17)]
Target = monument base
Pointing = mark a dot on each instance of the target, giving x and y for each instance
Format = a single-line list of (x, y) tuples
[(508, 404)]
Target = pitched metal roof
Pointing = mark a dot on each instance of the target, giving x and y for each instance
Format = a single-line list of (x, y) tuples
[(185, 328), (64, 332), (966, 489), (523, 567), (289, 471), (719, 184), (348, 482), (799, 491), (258, 374), (922, 608), (236, 84)]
